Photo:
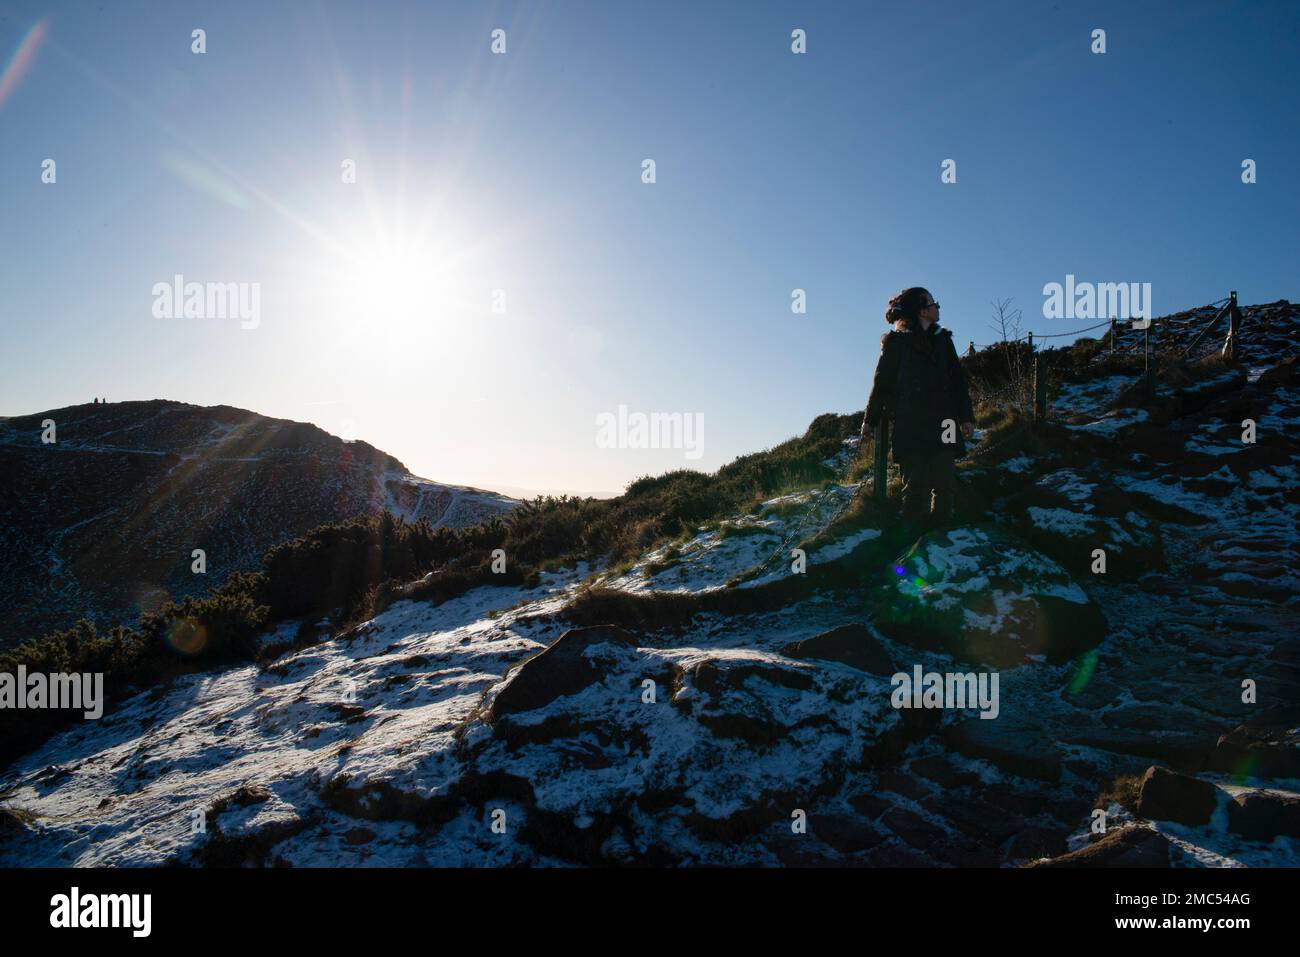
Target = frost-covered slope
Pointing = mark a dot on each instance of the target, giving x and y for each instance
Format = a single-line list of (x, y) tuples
[(507, 727)]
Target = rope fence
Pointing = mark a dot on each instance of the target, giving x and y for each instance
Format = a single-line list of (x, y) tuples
[(1038, 371), (1058, 335), (1030, 336)]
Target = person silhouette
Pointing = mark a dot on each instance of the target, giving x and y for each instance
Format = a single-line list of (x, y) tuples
[(920, 385)]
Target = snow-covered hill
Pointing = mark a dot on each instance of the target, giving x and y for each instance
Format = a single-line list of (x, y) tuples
[(666, 718), (102, 522)]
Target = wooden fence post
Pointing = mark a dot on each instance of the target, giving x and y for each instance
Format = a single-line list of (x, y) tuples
[(1148, 377), (1040, 390), (1234, 325), (1032, 359)]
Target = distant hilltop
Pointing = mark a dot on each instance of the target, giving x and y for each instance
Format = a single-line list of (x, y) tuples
[(102, 521)]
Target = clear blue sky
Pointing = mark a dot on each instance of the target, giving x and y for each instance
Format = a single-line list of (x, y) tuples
[(522, 172)]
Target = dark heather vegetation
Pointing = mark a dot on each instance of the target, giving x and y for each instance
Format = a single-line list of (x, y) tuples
[(343, 573)]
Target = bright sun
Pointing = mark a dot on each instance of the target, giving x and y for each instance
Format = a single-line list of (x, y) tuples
[(399, 285), (419, 278)]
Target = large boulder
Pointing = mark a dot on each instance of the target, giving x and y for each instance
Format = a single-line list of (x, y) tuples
[(1268, 747), (730, 741), (739, 699), (986, 596), (571, 663), (852, 645), (1133, 846), (1264, 816), (1169, 796)]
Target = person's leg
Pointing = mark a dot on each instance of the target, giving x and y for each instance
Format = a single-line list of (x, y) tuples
[(922, 486), (942, 478), (916, 490)]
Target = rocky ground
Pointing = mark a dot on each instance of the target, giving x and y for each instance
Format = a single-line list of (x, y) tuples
[(685, 712)]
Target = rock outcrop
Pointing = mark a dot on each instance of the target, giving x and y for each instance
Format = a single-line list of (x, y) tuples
[(985, 596)]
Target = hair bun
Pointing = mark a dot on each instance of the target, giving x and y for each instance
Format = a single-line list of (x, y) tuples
[(904, 306)]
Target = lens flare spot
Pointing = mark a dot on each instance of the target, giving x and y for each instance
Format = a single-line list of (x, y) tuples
[(21, 61), (1083, 674), (1244, 769), (187, 636)]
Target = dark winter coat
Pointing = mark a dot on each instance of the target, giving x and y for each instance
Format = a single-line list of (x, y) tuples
[(919, 382)]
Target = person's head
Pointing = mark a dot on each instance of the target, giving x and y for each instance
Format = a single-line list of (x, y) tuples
[(912, 308)]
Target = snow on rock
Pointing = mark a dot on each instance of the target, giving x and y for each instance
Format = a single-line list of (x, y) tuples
[(374, 716), (718, 733), (986, 596), (1070, 513), (1060, 521), (1091, 397)]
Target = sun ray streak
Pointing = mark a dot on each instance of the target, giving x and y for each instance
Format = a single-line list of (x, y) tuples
[(314, 231), (22, 60)]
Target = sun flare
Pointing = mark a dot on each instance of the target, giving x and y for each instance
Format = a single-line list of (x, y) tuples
[(399, 284)]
